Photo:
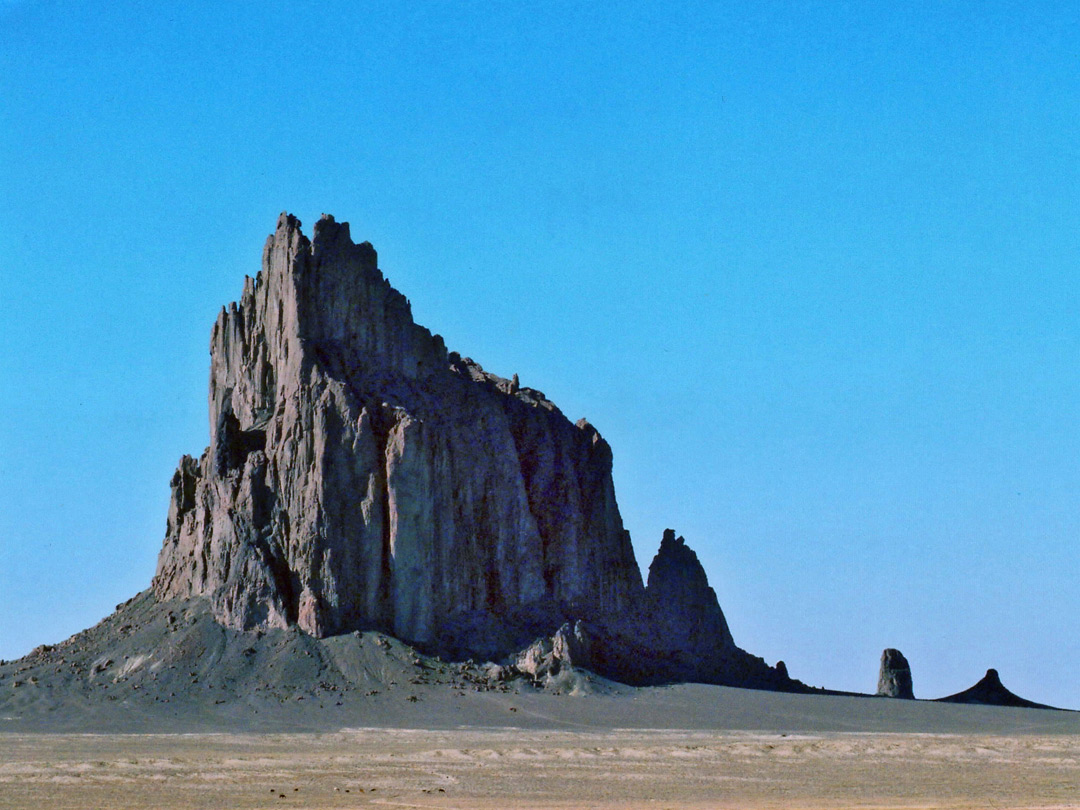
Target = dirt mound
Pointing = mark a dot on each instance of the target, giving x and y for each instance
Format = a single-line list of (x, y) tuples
[(991, 692), (169, 666)]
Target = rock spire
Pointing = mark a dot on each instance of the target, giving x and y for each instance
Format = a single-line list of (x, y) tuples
[(894, 677), (681, 604)]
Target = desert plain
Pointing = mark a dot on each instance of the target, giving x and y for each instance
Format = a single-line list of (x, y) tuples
[(686, 746)]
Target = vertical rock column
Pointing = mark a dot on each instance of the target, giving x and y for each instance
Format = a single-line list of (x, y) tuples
[(894, 677)]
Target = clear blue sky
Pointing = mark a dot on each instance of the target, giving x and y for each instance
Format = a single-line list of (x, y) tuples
[(812, 268)]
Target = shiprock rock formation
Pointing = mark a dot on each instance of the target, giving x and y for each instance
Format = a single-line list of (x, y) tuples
[(990, 691), (377, 523), (361, 477), (894, 677)]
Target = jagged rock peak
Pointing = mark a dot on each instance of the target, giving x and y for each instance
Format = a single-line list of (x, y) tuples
[(680, 598), (894, 677), (360, 476)]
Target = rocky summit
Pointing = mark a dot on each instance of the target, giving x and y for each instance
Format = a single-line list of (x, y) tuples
[(361, 477)]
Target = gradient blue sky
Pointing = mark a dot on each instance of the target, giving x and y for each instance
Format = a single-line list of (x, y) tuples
[(812, 268)]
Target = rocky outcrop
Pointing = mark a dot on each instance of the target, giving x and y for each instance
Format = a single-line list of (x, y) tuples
[(894, 677), (568, 648), (990, 691), (359, 476), (573, 645)]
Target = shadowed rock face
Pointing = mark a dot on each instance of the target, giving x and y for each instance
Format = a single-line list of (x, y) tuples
[(681, 604), (359, 476), (894, 678)]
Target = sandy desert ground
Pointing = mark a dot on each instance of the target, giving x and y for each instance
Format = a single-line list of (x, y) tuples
[(487, 768), (688, 746)]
